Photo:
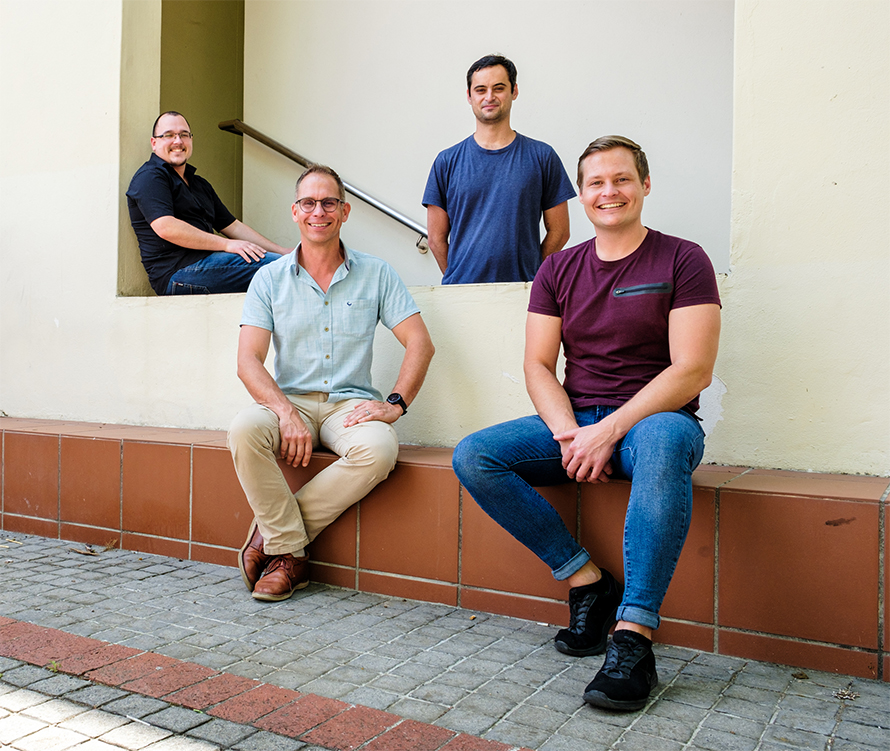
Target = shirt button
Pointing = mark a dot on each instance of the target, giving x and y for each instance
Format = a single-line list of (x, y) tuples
[(325, 328), (327, 357), (325, 381), (325, 302)]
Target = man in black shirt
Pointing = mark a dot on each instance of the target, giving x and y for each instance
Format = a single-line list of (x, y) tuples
[(176, 216)]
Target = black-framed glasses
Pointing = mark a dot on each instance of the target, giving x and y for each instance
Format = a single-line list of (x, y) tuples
[(184, 136), (307, 205)]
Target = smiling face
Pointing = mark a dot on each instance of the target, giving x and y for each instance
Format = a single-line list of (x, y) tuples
[(611, 190), (319, 226), (175, 151), (490, 95)]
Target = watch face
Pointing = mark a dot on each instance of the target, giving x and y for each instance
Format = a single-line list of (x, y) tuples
[(394, 398)]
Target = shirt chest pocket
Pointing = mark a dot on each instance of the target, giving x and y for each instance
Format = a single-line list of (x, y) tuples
[(359, 318), (652, 288)]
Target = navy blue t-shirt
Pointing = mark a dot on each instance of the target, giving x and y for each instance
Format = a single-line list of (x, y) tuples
[(494, 201), (156, 190)]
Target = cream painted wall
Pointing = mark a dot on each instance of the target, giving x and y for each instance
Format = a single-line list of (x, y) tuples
[(806, 341)]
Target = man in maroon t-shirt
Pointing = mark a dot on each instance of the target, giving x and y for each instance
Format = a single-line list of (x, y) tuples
[(638, 315)]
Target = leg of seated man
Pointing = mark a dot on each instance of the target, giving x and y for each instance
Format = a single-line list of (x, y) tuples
[(218, 273), (659, 455), (501, 466), (278, 529), (368, 453)]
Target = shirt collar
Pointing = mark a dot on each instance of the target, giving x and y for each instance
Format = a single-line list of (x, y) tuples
[(157, 161), (349, 259)]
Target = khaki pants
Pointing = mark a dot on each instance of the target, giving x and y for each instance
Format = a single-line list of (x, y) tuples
[(290, 521)]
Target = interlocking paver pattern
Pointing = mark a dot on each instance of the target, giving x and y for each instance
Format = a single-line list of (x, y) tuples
[(195, 663)]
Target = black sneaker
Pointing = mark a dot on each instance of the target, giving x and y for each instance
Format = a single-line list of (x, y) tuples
[(592, 610), (627, 676)]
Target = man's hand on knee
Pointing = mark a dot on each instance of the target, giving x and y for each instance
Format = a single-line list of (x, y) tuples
[(372, 410), (296, 440), (587, 453)]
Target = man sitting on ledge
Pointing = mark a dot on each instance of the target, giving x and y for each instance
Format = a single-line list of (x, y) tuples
[(638, 315), (320, 306), (174, 213)]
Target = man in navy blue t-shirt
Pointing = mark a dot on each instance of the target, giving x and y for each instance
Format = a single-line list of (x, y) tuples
[(486, 195), (176, 216)]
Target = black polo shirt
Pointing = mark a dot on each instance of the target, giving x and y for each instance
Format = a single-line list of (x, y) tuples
[(156, 190)]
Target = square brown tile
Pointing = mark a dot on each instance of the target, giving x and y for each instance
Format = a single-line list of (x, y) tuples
[(91, 482), (801, 567), (831, 659), (336, 576), (97, 537), (814, 484), (492, 558), (28, 525), (220, 512), (603, 508), (155, 546), (219, 556), (409, 523), (397, 586), (689, 635), (156, 489), (31, 475), (337, 543), (516, 606)]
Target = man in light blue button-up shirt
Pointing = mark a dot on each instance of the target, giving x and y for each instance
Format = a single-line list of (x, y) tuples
[(320, 306)]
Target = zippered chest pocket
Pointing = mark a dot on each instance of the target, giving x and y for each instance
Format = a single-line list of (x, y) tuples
[(654, 288)]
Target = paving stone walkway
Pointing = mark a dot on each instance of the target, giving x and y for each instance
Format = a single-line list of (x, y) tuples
[(128, 650)]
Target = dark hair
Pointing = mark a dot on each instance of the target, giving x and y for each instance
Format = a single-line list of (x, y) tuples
[(321, 169), (170, 112), (489, 61), (607, 143)]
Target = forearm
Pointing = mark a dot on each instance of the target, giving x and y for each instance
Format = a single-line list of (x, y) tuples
[(439, 248), (554, 241), (184, 235), (240, 231), (414, 369), (550, 398), (261, 386)]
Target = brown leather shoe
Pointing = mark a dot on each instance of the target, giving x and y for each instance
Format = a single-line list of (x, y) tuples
[(252, 561), (284, 575)]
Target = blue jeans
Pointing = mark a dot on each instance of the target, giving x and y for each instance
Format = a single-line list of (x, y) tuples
[(216, 274), (501, 466)]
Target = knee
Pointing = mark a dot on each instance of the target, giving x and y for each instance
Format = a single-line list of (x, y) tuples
[(253, 426), (465, 457), (376, 449)]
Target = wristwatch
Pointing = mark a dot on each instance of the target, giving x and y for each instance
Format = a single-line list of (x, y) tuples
[(395, 398)]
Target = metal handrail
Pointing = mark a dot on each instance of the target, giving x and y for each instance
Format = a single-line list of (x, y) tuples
[(240, 128)]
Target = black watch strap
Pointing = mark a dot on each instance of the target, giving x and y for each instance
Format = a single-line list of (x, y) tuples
[(395, 398)]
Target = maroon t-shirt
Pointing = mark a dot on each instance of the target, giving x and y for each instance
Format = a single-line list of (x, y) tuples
[(615, 313)]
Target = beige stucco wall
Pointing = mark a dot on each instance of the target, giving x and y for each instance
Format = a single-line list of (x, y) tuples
[(806, 347)]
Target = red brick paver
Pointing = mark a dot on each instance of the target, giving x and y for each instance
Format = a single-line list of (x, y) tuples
[(304, 714), (169, 679), (248, 707), (411, 736), (352, 728), (129, 670), (97, 658), (212, 691), (58, 645), (465, 742)]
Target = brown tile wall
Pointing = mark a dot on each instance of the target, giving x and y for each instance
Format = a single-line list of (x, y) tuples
[(778, 566)]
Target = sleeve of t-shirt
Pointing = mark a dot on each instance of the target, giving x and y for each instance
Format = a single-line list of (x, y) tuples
[(694, 280), (396, 303), (543, 295), (257, 309), (557, 185), (436, 185), (152, 194)]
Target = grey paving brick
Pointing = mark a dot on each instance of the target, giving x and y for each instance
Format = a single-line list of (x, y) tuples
[(58, 684), (590, 726), (878, 736), (466, 721), (516, 735), (371, 697), (96, 695), (134, 705), (177, 719), (793, 737), (802, 721), (25, 675), (746, 709), (664, 727), (636, 741), (414, 709), (222, 732), (567, 743), (265, 741)]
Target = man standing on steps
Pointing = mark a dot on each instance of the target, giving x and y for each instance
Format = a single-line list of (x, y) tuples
[(486, 195), (637, 313), (176, 216), (320, 306)]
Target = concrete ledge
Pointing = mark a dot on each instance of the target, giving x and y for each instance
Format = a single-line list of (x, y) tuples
[(779, 566)]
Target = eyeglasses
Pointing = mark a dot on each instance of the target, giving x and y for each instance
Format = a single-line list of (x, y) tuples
[(307, 205), (184, 136)]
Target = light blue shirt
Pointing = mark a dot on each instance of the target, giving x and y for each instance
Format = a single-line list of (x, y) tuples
[(324, 342)]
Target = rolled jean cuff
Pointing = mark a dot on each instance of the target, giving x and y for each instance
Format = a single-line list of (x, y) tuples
[(571, 566), (639, 616)]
